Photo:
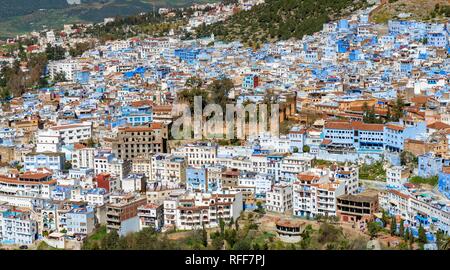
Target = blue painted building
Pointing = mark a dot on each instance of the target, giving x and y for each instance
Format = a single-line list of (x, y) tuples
[(343, 25), (444, 182), (83, 77), (137, 116), (343, 45), (80, 220), (52, 161), (429, 165), (250, 81), (437, 40), (196, 179), (187, 54)]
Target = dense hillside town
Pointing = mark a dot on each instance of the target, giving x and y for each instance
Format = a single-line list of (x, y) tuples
[(87, 148)]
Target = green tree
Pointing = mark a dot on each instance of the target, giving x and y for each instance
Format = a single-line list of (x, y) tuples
[(393, 225), (204, 236), (110, 241), (219, 90), (222, 226), (306, 149), (194, 82), (398, 110), (422, 236), (67, 165), (374, 228), (5, 93), (80, 48), (369, 114), (55, 53), (230, 237), (259, 208), (59, 77), (217, 241), (401, 229)]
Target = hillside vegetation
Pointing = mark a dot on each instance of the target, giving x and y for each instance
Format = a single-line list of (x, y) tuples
[(438, 10), (35, 15), (280, 20)]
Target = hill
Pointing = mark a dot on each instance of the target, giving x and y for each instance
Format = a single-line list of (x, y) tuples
[(26, 15), (412, 9), (280, 20)]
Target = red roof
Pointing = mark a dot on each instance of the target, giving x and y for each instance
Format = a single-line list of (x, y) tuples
[(438, 125)]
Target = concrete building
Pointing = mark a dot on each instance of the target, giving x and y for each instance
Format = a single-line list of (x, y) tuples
[(279, 199), (17, 227), (121, 213), (136, 141), (151, 215)]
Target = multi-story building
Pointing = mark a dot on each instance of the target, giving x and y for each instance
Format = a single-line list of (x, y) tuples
[(393, 137), (315, 193), (168, 169), (262, 183), (48, 141), (359, 207), (106, 162), (429, 165), (136, 141), (444, 182), (83, 157), (297, 138), (196, 179), (107, 182), (353, 136), (292, 165), (198, 153), (67, 67), (74, 133), (141, 165), (395, 134), (49, 160), (397, 176), (196, 210), (349, 175), (80, 220), (134, 183), (28, 184), (17, 227), (250, 81), (279, 199), (417, 209), (151, 215), (121, 213), (230, 178)]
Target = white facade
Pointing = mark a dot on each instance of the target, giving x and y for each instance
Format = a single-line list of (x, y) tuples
[(48, 141), (396, 176), (197, 209), (198, 154), (315, 193), (83, 158), (74, 133), (68, 67), (17, 228), (279, 199)]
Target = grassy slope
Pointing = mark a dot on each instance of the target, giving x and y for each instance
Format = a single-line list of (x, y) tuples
[(419, 9), (89, 12)]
